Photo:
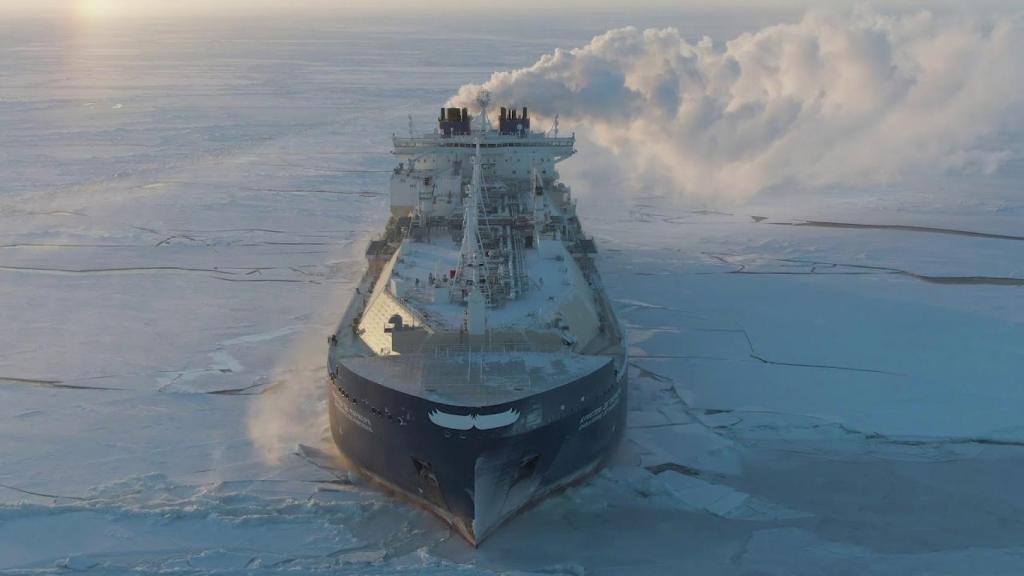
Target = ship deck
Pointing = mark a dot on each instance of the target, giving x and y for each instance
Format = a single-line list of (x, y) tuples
[(461, 377), (548, 283)]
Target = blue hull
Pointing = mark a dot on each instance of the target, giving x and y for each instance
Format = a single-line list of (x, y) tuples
[(476, 478)]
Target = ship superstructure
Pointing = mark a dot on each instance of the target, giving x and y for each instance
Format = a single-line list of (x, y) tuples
[(480, 365)]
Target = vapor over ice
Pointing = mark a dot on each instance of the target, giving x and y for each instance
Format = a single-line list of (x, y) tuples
[(854, 98)]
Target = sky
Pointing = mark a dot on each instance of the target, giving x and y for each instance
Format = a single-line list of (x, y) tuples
[(119, 9)]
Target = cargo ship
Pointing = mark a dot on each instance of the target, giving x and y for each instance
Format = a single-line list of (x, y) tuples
[(479, 366)]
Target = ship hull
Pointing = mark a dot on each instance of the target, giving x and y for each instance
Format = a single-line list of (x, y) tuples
[(476, 479)]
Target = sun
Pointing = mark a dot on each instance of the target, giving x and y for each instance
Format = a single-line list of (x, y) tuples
[(96, 9)]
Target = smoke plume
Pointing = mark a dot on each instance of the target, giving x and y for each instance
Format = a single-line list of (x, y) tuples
[(859, 98)]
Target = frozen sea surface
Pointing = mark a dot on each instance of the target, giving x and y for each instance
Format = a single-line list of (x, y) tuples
[(821, 383)]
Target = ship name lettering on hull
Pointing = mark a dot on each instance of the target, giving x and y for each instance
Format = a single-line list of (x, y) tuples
[(601, 411), (356, 418)]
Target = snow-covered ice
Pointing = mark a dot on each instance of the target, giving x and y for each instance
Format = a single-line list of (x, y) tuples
[(182, 214)]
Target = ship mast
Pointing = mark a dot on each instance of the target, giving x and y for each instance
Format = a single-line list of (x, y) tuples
[(483, 99), (470, 250), (471, 255)]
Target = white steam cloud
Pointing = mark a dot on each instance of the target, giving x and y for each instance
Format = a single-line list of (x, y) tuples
[(293, 411), (859, 98)]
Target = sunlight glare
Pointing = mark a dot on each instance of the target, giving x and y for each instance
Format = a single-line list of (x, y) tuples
[(95, 9)]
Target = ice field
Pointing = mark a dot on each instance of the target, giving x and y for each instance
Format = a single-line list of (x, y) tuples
[(823, 382)]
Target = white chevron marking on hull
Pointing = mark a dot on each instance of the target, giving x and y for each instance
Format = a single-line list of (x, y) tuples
[(478, 421)]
